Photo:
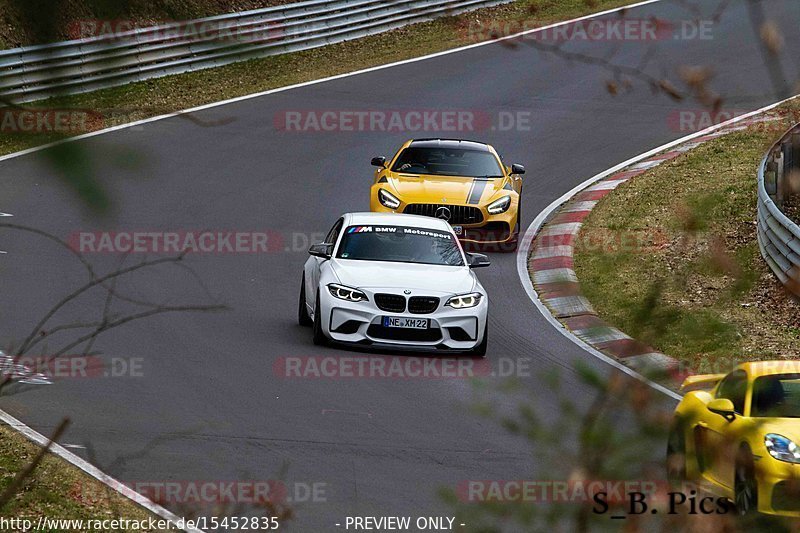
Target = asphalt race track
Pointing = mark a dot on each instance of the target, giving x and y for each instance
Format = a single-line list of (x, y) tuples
[(208, 405)]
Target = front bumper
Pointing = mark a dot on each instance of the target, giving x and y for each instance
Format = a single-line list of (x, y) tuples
[(494, 229), (778, 487), (362, 323)]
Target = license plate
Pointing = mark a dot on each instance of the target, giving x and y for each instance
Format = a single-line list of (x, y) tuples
[(458, 230), (407, 323)]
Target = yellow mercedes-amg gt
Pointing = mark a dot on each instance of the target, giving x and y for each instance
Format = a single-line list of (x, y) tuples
[(738, 435), (462, 182)]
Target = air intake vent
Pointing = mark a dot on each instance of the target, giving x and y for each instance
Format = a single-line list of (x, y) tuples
[(422, 305), (393, 303), (459, 214)]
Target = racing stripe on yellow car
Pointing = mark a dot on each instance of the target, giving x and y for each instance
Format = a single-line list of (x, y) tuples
[(476, 190)]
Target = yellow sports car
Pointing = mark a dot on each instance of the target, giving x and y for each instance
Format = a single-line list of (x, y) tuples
[(462, 182), (738, 436)]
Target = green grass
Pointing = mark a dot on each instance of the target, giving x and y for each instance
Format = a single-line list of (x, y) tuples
[(56, 489), (703, 294)]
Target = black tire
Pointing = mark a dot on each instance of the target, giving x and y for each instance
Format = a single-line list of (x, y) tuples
[(480, 350), (319, 336), (676, 454), (745, 489), (302, 310)]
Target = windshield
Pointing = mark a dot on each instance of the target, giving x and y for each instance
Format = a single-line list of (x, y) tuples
[(776, 396), (400, 244), (447, 162)]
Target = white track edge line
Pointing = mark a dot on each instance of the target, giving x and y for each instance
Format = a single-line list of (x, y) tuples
[(321, 80), (92, 470), (524, 250)]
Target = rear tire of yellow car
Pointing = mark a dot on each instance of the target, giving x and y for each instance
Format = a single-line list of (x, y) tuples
[(676, 454), (745, 488)]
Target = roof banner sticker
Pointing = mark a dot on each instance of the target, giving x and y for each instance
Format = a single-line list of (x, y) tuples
[(438, 234)]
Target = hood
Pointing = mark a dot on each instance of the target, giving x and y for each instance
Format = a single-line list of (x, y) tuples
[(788, 427), (432, 279), (444, 189)]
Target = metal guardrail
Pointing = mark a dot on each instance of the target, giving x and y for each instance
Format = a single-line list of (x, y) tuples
[(37, 72), (779, 237)]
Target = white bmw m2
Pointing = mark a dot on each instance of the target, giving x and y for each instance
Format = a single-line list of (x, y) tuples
[(394, 281)]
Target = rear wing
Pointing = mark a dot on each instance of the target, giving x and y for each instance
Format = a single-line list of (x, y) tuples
[(701, 382)]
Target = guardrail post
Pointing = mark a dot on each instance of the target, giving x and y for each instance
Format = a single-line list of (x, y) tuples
[(780, 174), (771, 171), (792, 165)]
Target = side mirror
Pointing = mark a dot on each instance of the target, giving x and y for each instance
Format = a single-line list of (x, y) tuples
[(379, 162), (323, 250), (517, 169), (478, 260), (722, 407)]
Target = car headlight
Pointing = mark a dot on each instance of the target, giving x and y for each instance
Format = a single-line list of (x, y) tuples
[(463, 301), (499, 206), (387, 199), (781, 448), (347, 293)]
